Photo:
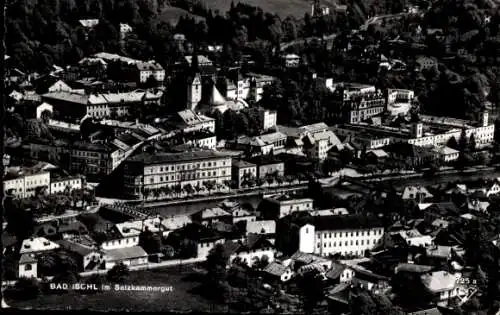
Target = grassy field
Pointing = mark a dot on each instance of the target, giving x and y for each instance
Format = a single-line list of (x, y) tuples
[(182, 298), (283, 8), (172, 15)]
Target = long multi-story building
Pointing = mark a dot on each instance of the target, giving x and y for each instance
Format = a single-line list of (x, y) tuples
[(427, 132), (350, 235), (157, 170), (23, 182), (76, 105)]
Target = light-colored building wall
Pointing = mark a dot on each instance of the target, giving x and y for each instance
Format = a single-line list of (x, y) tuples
[(28, 270), (204, 248), (120, 243), (60, 185), (127, 262), (342, 241), (250, 257)]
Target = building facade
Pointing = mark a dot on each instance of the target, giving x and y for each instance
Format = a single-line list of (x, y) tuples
[(154, 171), (349, 235)]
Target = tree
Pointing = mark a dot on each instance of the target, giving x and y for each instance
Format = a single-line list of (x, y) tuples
[(216, 263), (27, 288), (311, 286), (150, 242), (472, 143), (118, 273), (210, 185)]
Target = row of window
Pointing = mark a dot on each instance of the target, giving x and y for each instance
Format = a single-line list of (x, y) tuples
[(119, 242), (352, 233), (346, 243), (187, 167), (186, 176)]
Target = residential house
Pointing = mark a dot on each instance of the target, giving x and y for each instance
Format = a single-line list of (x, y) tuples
[(339, 273), (37, 245), (376, 156), (242, 214), (28, 264), (317, 145), (426, 63), (252, 250), (267, 166), (259, 145), (441, 210), (209, 216), (418, 193), (203, 238), (61, 184), (446, 154), (276, 272), (262, 227), (369, 280), (290, 60), (23, 182), (188, 121), (88, 256), (339, 299), (269, 118), (243, 171), (96, 159), (411, 154), (440, 286), (280, 206), (129, 256)]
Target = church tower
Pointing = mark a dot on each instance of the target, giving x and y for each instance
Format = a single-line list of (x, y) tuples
[(194, 92), (194, 84)]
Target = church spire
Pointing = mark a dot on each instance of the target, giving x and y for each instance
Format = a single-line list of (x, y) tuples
[(195, 68)]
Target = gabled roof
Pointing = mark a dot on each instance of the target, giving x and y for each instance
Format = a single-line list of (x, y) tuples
[(125, 253), (336, 222), (76, 248), (276, 269), (261, 227), (335, 272), (27, 259)]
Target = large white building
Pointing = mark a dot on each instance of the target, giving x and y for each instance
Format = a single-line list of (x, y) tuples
[(350, 235), (157, 170), (429, 131)]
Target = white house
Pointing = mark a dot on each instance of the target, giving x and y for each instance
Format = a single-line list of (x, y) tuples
[(36, 245), (131, 256), (253, 249), (278, 271), (28, 266)]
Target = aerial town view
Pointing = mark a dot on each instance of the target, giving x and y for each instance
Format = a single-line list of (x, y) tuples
[(326, 157)]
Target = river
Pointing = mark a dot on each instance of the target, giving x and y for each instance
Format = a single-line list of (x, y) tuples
[(190, 208)]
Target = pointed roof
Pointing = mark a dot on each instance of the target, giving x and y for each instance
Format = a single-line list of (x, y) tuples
[(217, 98)]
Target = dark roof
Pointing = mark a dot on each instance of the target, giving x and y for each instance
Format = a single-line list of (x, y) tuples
[(76, 248), (27, 258), (444, 208), (163, 157), (275, 269), (8, 239), (338, 222), (408, 150), (96, 147), (335, 271), (198, 232)]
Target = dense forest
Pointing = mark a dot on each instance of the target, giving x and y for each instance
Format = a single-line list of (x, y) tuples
[(41, 33)]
